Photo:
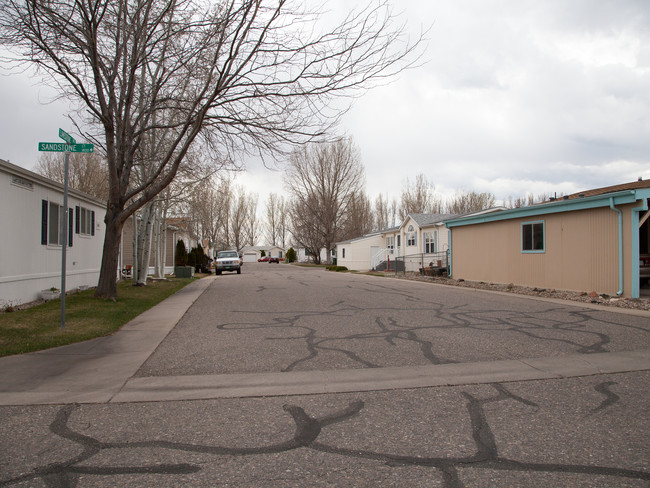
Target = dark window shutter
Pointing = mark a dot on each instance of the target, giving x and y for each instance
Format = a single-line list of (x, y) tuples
[(44, 222), (70, 216), (76, 219), (92, 223)]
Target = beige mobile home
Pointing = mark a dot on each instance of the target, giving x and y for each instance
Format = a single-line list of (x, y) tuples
[(596, 240)]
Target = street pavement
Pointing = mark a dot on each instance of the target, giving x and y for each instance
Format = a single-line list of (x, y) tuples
[(289, 377)]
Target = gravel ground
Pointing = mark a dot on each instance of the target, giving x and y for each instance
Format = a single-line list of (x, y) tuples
[(642, 303)]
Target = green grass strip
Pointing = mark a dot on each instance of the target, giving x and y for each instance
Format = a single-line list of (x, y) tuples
[(86, 317)]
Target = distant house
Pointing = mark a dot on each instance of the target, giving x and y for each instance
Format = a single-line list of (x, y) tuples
[(421, 238), (251, 254), (30, 251), (596, 240), (358, 254), (175, 231), (304, 255)]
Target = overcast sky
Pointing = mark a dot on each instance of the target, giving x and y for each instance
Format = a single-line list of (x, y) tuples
[(516, 97)]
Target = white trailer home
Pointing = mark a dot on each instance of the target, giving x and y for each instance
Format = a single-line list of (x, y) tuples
[(30, 248)]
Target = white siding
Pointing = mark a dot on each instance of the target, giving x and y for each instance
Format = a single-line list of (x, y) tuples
[(26, 265), (355, 254)]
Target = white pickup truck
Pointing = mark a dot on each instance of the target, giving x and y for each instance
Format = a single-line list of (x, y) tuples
[(228, 261)]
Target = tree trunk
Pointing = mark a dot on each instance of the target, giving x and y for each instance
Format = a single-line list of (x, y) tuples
[(146, 256), (157, 244), (163, 241), (107, 284), (134, 266), (144, 242)]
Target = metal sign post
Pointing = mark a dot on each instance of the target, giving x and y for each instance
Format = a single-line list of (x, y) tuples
[(70, 146), (64, 231)]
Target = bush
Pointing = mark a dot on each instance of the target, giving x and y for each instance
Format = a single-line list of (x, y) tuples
[(191, 257), (290, 255), (198, 259), (262, 253), (181, 254), (336, 268)]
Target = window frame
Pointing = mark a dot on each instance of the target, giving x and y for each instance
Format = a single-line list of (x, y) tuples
[(390, 243), (57, 225), (429, 242), (84, 221), (411, 237), (529, 237)]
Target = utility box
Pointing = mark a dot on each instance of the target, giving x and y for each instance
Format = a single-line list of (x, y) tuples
[(184, 271)]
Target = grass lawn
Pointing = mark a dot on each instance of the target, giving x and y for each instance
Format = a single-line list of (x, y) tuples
[(86, 317)]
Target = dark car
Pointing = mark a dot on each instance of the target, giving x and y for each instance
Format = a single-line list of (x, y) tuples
[(274, 260)]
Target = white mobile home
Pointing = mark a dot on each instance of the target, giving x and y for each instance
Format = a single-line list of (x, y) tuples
[(30, 250), (357, 254)]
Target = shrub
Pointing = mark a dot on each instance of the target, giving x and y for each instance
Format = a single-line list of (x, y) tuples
[(191, 257), (333, 267), (290, 255), (197, 258), (181, 253)]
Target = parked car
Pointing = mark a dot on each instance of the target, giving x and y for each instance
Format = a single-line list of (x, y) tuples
[(227, 261), (274, 260), (263, 260)]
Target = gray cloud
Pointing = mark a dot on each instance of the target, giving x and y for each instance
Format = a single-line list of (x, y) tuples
[(517, 96)]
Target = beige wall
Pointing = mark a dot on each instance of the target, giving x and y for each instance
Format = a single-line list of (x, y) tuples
[(127, 246), (581, 252)]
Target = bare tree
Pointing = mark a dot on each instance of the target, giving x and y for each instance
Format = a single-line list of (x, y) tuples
[(529, 199), (359, 218), (273, 216), (239, 219), (235, 75), (283, 223), (86, 172), (419, 197), (277, 221), (385, 212), (251, 224), (210, 206), (305, 229), (470, 201), (323, 182)]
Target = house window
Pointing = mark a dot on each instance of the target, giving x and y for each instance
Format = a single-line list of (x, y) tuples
[(390, 243), (411, 239), (343, 253), (429, 243), (84, 221), (532, 237), (54, 235)]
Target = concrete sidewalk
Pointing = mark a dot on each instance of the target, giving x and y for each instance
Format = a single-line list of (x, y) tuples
[(102, 370), (93, 371)]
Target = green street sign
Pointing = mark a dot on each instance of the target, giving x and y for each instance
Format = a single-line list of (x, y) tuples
[(61, 147), (66, 137)]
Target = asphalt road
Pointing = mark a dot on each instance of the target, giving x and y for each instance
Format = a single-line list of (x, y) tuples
[(273, 320)]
